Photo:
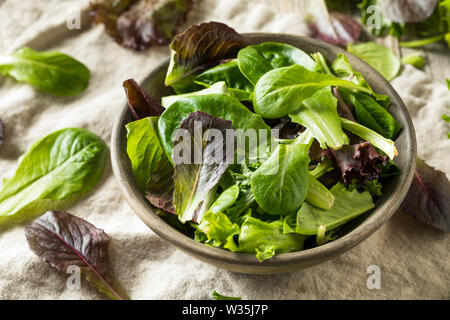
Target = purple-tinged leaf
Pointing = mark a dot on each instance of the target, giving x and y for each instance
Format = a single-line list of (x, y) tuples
[(428, 199), (287, 129), (139, 24), (332, 27), (199, 47), (141, 104), (407, 10), (342, 108), (201, 157), (63, 240), (358, 161)]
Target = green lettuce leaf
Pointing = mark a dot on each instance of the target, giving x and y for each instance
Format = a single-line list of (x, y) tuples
[(319, 114), (282, 91), (379, 57), (347, 205), (217, 88), (265, 239)]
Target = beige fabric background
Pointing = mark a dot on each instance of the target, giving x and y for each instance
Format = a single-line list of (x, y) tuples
[(413, 258)]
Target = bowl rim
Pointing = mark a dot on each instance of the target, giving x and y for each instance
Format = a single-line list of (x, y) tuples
[(373, 222)]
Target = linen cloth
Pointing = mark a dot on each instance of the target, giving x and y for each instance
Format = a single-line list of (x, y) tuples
[(413, 258)]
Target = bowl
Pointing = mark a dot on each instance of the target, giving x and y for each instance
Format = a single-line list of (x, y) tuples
[(354, 232)]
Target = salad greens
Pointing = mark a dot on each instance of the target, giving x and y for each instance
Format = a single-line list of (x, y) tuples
[(264, 147), (54, 172), (52, 72), (414, 59)]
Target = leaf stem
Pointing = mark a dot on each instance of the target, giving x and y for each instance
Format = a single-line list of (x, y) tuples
[(422, 42)]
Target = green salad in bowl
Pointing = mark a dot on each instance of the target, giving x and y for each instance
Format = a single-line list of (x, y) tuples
[(261, 148)]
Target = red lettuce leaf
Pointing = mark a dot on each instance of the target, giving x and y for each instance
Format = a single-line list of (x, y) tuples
[(197, 176), (332, 27), (407, 10), (139, 24), (63, 240), (357, 161), (342, 108), (428, 199), (199, 47), (141, 104)]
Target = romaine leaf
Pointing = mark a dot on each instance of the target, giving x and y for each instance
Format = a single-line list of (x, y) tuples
[(428, 199), (347, 205), (52, 174), (319, 114), (256, 60), (332, 27), (237, 84), (217, 88), (140, 103), (52, 72), (63, 240), (218, 105), (379, 57), (139, 24), (378, 141), (196, 179), (372, 115), (280, 184), (282, 91), (265, 239), (197, 48), (151, 167)]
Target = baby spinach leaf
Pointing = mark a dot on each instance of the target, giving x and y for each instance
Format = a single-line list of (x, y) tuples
[(140, 103), (52, 72), (197, 48), (63, 241), (256, 60), (428, 199), (379, 57), (53, 173), (414, 59), (139, 24), (347, 205), (218, 105), (319, 114), (216, 88), (196, 181), (265, 239), (237, 84), (370, 114), (218, 296), (151, 167), (282, 91), (280, 184), (385, 145)]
